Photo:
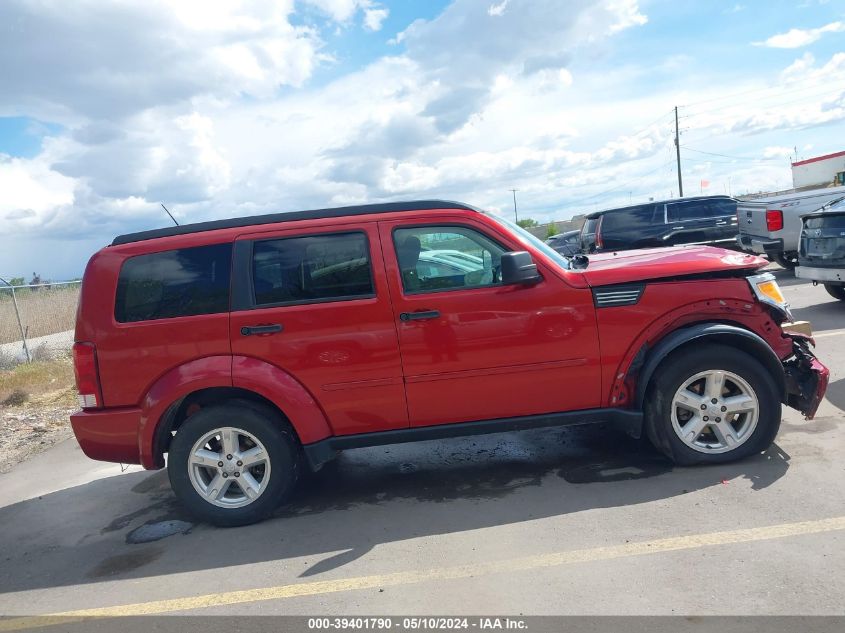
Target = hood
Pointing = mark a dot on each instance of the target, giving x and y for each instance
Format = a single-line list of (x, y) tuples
[(661, 263)]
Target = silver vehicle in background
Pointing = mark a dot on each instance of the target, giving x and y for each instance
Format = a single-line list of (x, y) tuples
[(772, 226)]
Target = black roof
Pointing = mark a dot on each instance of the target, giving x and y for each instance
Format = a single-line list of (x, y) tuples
[(595, 214), (272, 218)]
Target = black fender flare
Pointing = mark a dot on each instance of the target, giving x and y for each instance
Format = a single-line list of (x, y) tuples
[(732, 335)]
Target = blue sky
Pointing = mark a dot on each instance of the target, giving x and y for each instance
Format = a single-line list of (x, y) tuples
[(224, 109)]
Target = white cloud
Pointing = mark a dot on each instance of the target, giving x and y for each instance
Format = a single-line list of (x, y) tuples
[(31, 191), (799, 68), (223, 117), (344, 10), (373, 18), (498, 9), (796, 38)]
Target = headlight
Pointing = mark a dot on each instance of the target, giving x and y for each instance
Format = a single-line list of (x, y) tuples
[(765, 288)]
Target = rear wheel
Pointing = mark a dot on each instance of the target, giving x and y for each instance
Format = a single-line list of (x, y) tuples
[(712, 405), (788, 260), (836, 291), (233, 465)]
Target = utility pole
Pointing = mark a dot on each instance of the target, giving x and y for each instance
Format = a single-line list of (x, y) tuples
[(515, 217), (678, 153)]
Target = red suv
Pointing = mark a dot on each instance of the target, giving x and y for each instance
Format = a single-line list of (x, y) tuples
[(251, 348)]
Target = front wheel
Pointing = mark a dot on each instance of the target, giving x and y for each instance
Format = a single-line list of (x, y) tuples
[(233, 465), (712, 405), (836, 291)]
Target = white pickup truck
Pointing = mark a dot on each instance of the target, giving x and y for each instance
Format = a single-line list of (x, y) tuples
[(772, 226)]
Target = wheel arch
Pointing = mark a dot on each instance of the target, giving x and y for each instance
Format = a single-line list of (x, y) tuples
[(723, 333), (184, 407), (218, 379)]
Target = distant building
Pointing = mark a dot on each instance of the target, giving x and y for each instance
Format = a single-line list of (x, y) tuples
[(561, 226), (820, 171)]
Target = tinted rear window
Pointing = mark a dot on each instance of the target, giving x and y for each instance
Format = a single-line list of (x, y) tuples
[(590, 226), (625, 219), (699, 210), (312, 268), (169, 284)]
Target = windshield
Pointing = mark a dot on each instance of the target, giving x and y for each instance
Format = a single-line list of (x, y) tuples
[(536, 242)]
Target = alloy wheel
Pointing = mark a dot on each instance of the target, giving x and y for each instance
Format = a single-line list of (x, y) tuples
[(229, 467), (715, 411)]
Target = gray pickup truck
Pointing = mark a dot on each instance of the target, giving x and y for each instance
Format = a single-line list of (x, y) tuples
[(821, 255), (772, 226)]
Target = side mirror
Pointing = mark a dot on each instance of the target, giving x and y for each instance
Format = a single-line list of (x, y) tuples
[(519, 268)]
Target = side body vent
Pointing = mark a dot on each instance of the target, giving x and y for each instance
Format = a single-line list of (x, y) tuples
[(615, 296)]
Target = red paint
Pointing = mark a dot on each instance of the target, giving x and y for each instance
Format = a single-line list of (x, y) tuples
[(817, 159), (344, 353), (660, 263), (110, 435), (490, 344), (824, 377), (349, 367), (178, 382), (282, 389)]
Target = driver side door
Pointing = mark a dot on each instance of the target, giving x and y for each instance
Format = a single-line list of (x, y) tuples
[(473, 348)]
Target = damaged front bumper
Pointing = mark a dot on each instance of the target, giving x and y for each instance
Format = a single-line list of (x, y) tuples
[(806, 378)]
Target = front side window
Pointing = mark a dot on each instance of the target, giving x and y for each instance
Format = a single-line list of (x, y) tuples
[(328, 267), (435, 258), (184, 282)]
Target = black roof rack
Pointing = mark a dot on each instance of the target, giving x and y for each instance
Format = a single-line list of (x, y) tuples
[(272, 218)]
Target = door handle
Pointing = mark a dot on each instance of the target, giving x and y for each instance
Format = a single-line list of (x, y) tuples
[(419, 316), (677, 228), (249, 330)]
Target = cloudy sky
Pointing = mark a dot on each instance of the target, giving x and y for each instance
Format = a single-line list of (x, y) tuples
[(221, 109)]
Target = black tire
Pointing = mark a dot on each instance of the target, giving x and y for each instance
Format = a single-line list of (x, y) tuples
[(678, 368), (836, 291), (787, 260), (269, 429)]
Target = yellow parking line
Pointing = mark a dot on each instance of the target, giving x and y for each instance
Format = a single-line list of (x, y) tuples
[(673, 544)]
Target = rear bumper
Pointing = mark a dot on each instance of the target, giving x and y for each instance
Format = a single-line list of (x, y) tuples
[(821, 274), (109, 435), (759, 245), (806, 379)]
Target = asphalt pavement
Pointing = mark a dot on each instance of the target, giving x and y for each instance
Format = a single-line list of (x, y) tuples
[(579, 520)]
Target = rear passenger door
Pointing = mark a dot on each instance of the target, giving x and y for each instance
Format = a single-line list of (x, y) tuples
[(314, 302)]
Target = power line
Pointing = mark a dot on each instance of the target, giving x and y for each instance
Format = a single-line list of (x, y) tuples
[(645, 129), (806, 97), (622, 185), (745, 92), (698, 151)]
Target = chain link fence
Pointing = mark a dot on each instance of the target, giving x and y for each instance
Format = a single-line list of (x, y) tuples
[(37, 321)]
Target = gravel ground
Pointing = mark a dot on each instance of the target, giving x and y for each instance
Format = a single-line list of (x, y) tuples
[(34, 426)]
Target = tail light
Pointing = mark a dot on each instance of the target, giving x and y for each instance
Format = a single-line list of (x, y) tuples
[(87, 376), (774, 220), (599, 240)]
